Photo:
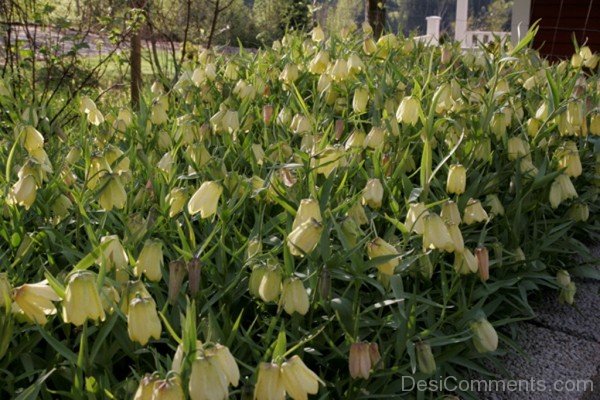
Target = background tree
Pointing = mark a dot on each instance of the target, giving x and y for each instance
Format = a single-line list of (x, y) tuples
[(375, 15), (136, 54)]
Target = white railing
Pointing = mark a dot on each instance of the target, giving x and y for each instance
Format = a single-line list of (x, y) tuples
[(432, 35), (476, 38), (468, 39)]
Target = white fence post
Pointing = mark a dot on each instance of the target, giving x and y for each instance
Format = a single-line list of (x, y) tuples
[(520, 20), (433, 28), (460, 27)]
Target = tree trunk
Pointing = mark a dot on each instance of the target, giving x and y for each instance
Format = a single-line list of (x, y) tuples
[(375, 15), (136, 69), (213, 24), (135, 61)]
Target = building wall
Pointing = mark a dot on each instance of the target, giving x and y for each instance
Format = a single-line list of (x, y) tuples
[(561, 20)]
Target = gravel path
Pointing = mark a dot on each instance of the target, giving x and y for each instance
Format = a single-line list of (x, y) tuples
[(562, 346)]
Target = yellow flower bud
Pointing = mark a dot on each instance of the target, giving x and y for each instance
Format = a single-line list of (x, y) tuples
[(425, 359), (579, 212), (498, 125), (86, 105), (150, 261), (409, 111), (244, 90), (485, 337), (450, 213), (372, 194), (517, 148), (415, 217), (205, 200), (231, 71), (230, 121), (31, 138), (355, 64), (569, 159), (301, 125), (114, 254), (226, 363), (474, 212), (166, 163), (561, 189), (595, 124), (369, 46), (380, 248), (436, 235), (34, 300), (563, 278), (289, 74), (298, 380), (145, 388), (567, 294), (158, 114), (457, 179), (575, 113), (23, 192), (82, 299), (375, 139), (294, 297), (269, 282), (95, 117), (576, 61), (168, 389), (142, 320), (457, 238), (385, 44), (444, 98), (355, 140), (519, 255), (446, 55), (357, 213), (527, 168), (329, 159), (318, 65), (207, 380), (324, 89), (533, 127), (339, 70), (304, 238), (360, 100), (317, 34), (60, 207), (180, 356), (494, 204), (254, 248), (482, 150), (465, 262), (176, 200), (359, 360), (269, 383), (113, 193), (590, 60), (309, 208), (5, 291), (350, 230)]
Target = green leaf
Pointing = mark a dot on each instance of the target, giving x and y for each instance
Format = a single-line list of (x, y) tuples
[(280, 343), (59, 347), (32, 392)]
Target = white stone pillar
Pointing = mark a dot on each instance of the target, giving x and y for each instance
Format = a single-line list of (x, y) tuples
[(433, 28), (521, 13), (462, 15)]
